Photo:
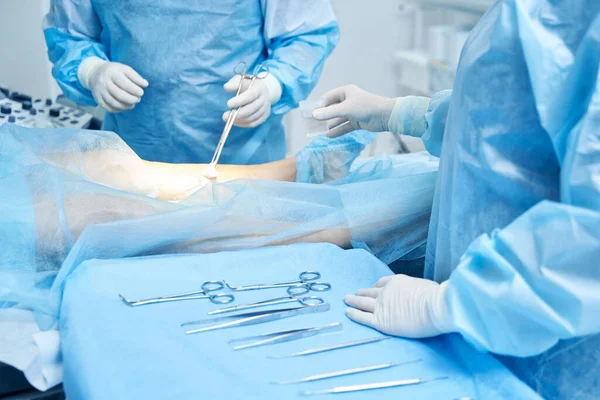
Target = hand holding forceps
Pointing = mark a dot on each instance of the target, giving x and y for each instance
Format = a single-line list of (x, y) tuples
[(306, 280), (260, 72), (204, 293)]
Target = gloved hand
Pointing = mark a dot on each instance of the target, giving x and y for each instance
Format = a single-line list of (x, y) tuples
[(349, 103), (404, 115), (255, 102), (402, 306), (116, 87)]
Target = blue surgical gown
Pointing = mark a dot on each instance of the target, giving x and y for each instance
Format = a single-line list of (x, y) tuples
[(187, 50), (515, 225)]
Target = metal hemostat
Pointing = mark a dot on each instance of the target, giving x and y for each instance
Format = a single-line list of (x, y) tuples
[(372, 386), (346, 372), (260, 72), (286, 336), (305, 279), (334, 347), (253, 318), (293, 292), (204, 293)]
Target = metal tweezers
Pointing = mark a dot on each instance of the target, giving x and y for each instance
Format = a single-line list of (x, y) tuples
[(253, 318), (286, 336)]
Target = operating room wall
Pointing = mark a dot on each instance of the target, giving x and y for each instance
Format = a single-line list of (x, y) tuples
[(24, 64), (370, 31)]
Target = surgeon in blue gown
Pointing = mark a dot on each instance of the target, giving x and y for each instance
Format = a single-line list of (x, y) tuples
[(513, 252), (159, 68)]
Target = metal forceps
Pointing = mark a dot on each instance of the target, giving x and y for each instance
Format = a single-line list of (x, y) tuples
[(306, 282), (252, 318), (268, 339), (204, 293), (293, 293), (260, 72)]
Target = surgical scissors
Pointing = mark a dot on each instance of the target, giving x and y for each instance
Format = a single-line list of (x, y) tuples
[(260, 72), (304, 283), (204, 293)]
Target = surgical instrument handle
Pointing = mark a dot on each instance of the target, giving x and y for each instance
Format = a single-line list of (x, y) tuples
[(371, 386), (305, 301), (334, 347), (287, 337), (346, 372), (267, 316), (220, 298)]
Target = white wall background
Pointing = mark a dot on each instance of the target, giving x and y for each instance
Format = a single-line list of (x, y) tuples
[(369, 34)]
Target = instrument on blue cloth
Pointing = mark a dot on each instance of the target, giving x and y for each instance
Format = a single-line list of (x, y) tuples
[(204, 293), (304, 283), (293, 291), (347, 372), (305, 301), (286, 336), (371, 386), (253, 318), (335, 347)]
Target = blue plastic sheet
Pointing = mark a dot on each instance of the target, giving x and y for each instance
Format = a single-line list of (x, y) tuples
[(54, 216), (114, 351)]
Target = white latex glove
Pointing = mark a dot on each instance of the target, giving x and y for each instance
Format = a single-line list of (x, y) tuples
[(402, 306), (349, 103), (116, 87), (255, 103)]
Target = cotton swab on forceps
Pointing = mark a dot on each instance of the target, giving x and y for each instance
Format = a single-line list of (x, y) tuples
[(310, 135)]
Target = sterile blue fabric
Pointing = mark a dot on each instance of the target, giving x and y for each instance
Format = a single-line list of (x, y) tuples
[(187, 50), (324, 159), (54, 213), (156, 360), (516, 216)]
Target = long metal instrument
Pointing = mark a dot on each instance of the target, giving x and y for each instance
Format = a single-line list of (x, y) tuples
[(346, 372), (334, 347), (253, 318), (286, 336), (372, 386), (305, 301)]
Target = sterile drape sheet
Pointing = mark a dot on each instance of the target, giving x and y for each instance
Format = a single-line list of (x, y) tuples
[(54, 214), (112, 351)]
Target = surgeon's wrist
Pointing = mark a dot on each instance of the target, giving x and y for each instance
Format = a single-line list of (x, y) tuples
[(87, 68), (274, 87), (408, 116), (439, 310)]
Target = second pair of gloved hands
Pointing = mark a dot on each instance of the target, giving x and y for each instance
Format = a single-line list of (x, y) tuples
[(358, 109), (117, 87)]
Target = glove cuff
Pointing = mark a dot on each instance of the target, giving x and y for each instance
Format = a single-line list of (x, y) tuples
[(87, 68), (440, 310), (408, 116), (274, 87)]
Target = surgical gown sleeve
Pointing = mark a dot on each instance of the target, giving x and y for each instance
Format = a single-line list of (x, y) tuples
[(436, 122), (299, 36), (72, 32), (522, 289)]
